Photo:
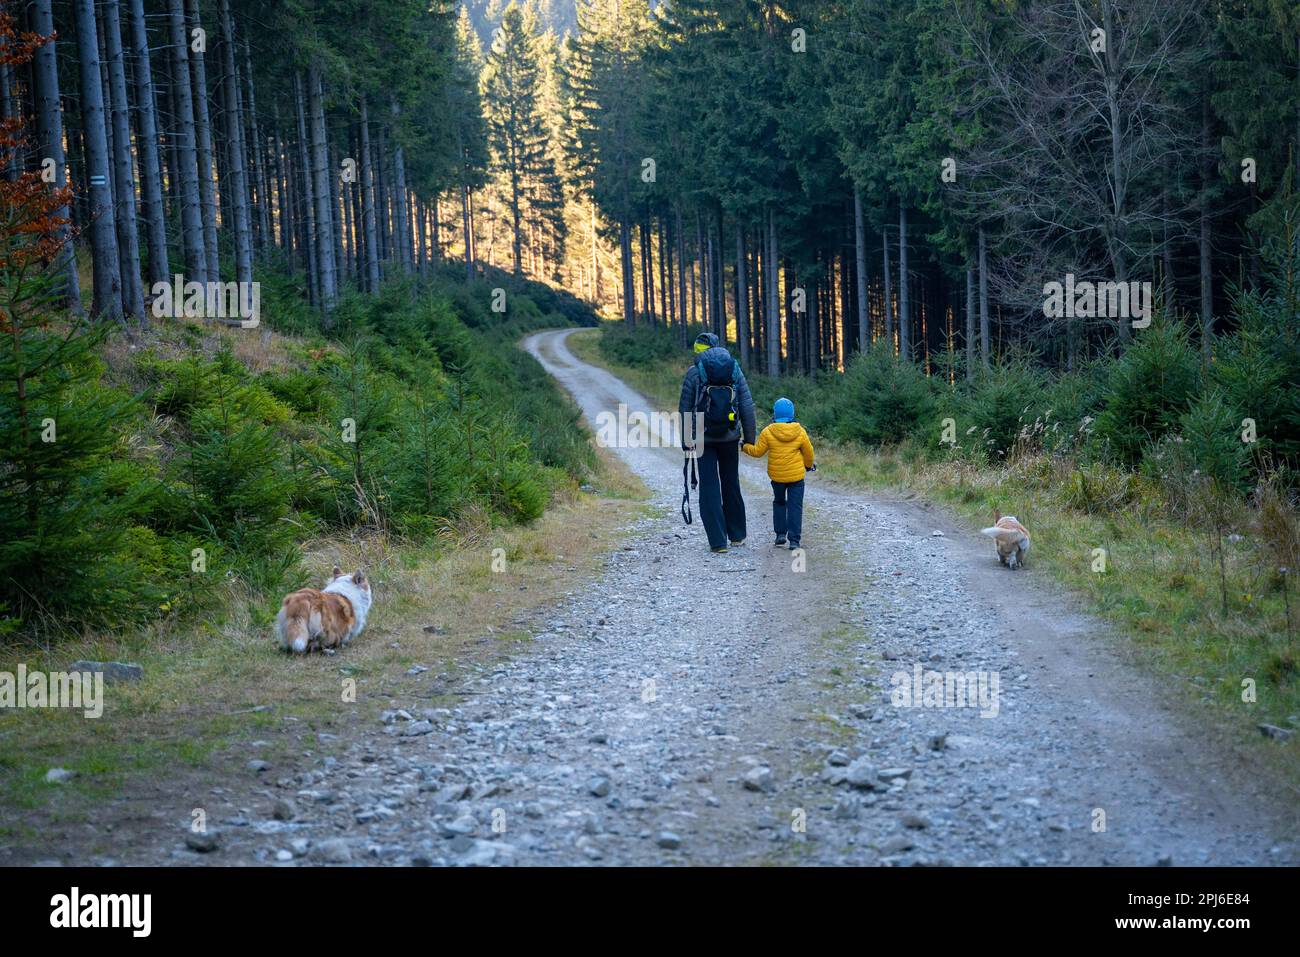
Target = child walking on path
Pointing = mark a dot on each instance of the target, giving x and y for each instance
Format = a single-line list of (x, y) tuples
[(789, 455)]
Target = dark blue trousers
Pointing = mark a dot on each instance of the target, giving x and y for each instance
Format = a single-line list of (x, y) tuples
[(722, 507), (787, 510)]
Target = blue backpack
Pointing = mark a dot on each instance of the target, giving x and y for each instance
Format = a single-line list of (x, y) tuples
[(716, 401)]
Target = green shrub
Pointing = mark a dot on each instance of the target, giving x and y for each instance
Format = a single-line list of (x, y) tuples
[(1257, 369), (885, 400), (63, 516), (1149, 386), (1211, 433), (1008, 400)]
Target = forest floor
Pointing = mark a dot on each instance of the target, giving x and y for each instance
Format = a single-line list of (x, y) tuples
[(666, 705)]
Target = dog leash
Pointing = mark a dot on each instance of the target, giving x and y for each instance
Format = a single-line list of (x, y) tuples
[(686, 490)]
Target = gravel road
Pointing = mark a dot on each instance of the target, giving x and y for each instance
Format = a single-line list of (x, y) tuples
[(690, 708)]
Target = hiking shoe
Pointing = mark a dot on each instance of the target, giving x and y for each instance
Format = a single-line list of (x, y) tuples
[(780, 539), (719, 550), (735, 544), (795, 546)]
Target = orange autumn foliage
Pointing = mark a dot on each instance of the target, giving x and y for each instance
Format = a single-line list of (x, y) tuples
[(31, 225)]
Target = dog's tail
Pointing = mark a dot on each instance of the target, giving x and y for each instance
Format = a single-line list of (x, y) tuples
[(292, 627), (1012, 535)]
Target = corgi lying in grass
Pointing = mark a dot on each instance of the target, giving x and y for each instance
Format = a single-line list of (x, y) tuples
[(313, 620), (1011, 538)]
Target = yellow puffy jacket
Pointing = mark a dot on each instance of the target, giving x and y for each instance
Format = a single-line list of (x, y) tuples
[(788, 448)]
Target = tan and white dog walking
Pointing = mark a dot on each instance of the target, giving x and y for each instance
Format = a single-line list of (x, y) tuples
[(313, 619), (1011, 538)]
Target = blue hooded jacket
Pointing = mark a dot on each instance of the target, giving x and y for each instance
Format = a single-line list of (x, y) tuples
[(720, 368)]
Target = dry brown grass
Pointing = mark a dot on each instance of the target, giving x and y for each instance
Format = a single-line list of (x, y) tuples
[(259, 350)]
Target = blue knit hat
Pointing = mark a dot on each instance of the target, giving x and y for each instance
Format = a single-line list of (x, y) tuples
[(783, 410)]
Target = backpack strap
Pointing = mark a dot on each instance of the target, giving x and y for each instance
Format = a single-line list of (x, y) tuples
[(686, 490)]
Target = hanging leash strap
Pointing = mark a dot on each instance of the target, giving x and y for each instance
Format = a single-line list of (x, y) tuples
[(686, 489)]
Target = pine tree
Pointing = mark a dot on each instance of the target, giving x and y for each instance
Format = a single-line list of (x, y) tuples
[(465, 108), (512, 89), (603, 82)]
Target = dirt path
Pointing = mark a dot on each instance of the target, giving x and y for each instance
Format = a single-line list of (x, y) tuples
[(684, 707)]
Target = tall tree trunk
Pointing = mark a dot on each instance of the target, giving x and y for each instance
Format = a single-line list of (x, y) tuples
[(742, 297), (368, 203), (754, 275), (860, 274), (812, 318), (350, 248), (108, 126), (690, 287), (770, 262), (336, 212), (435, 235), (169, 120), (307, 195), (847, 307), (353, 238), (75, 155), (468, 233), (236, 150), (151, 201), (647, 289), (258, 172), (970, 322), (984, 297), (889, 289), (658, 226), (1168, 287), (719, 269), (1207, 276), (286, 217), (107, 297), (49, 132), (383, 225), (670, 273), (793, 347), (422, 234), (516, 216), (904, 286), (10, 111), (128, 239), (595, 260), (681, 274), (203, 141), (322, 188), (705, 260), (404, 244), (629, 287)]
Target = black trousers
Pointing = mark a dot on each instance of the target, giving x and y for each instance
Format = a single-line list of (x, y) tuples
[(722, 507), (787, 509)]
